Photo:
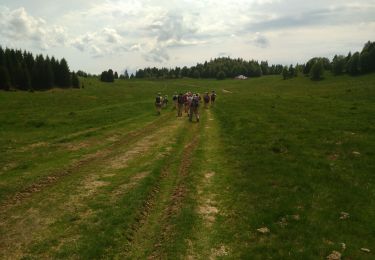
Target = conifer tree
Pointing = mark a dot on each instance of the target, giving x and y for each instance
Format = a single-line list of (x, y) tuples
[(75, 80), (4, 78)]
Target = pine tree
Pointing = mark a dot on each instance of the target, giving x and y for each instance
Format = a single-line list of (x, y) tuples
[(285, 73), (25, 80), (48, 75), (110, 76), (367, 57), (2, 57), (75, 80), (317, 70), (292, 71), (4, 78), (65, 79), (353, 64), (37, 76), (220, 75), (338, 64)]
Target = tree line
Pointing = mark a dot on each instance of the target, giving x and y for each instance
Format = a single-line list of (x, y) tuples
[(353, 64), (219, 68), (109, 76), (21, 70), (225, 67)]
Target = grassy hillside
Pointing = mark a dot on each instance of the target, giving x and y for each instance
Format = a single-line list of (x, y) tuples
[(94, 173), (301, 153)]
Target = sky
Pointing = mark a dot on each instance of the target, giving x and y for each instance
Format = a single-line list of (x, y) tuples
[(126, 34)]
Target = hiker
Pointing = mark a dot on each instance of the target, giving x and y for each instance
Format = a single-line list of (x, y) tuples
[(180, 104), (175, 100), (158, 103), (165, 101), (189, 100), (194, 105), (186, 103), (206, 99), (213, 97)]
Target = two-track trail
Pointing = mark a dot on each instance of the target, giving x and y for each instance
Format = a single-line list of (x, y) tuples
[(147, 194)]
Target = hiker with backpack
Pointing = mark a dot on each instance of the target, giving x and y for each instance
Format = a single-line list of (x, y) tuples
[(189, 100), (180, 104), (158, 103), (206, 99), (213, 97), (175, 101), (186, 102), (165, 101), (194, 106)]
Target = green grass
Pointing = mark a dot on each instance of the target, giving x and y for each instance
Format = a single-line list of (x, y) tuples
[(288, 155), (292, 145)]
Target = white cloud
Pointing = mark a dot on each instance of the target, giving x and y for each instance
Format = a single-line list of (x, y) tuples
[(259, 40), (18, 25), (157, 55), (149, 32), (104, 42)]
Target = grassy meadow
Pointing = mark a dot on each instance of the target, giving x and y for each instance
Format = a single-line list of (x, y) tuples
[(95, 173)]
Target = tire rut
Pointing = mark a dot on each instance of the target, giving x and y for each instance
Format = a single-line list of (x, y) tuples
[(53, 178), (90, 183), (176, 200)]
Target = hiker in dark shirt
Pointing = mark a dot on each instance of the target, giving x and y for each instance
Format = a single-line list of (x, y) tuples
[(213, 97), (180, 104), (158, 103), (194, 108), (206, 99)]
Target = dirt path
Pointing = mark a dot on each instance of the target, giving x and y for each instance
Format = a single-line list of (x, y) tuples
[(202, 244), (151, 231), (26, 217), (151, 171), (54, 177)]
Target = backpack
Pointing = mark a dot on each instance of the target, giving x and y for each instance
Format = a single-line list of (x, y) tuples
[(157, 100), (180, 99), (213, 96), (195, 102), (206, 98)]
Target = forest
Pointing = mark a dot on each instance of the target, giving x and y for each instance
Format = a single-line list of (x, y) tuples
[(21, 70)]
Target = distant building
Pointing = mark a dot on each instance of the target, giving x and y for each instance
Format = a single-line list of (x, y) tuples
[(241, 77)]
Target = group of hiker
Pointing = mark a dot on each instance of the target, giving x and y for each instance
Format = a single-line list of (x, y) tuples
[(187, 103)]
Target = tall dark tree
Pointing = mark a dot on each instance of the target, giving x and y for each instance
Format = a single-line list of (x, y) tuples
[(23, 81), (107, 76), (265, 68), (111, 77), (75, 80), (285, 73), (126, 74), (48, 75), (220, 75), (4, 78), (353, 64), (2, 57), (317, 70), (104, 76), (338, 64), (292, 71), (64, 74), (367, 57), (26, 72), (37, 76)]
